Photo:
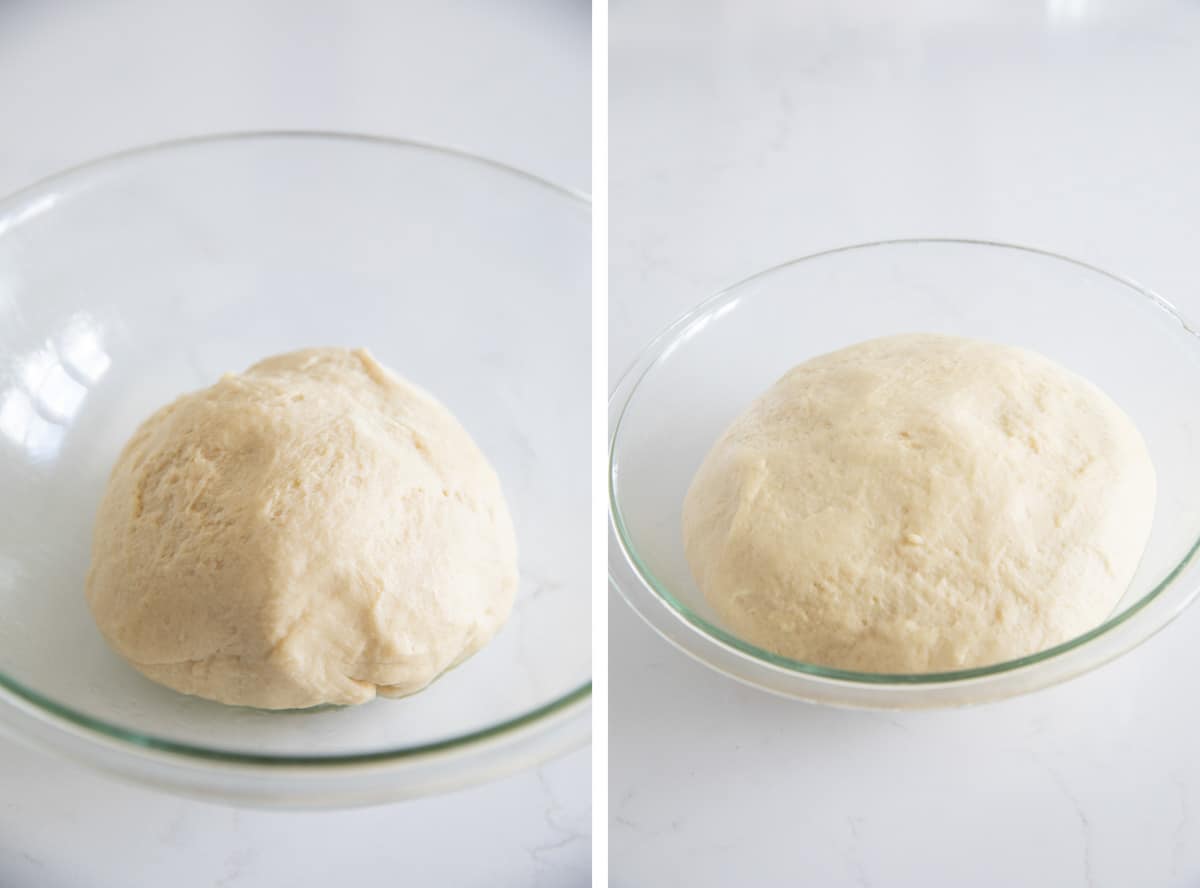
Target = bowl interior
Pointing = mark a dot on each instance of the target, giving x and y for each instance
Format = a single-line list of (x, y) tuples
[(712, 364), (127, 283)]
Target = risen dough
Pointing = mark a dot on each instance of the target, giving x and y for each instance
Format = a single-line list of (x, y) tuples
[(314, 530), (920, 503)]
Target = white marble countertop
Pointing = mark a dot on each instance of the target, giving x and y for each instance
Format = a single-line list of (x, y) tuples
[(746, 134), (80, 80)]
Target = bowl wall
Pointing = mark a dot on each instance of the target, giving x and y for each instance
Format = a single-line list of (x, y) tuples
[(706, 369), (130, 281)]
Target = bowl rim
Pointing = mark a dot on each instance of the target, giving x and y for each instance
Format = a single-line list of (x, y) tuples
[(25, 203), (661, 346)]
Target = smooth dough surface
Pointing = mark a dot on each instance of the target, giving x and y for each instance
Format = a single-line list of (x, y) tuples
[(314, 530), (920, 503)]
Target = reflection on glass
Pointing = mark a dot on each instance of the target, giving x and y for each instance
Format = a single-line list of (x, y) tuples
[(21, 424), (51, 386), (79, 346), (27, 212), (15, 410), (55, 394)]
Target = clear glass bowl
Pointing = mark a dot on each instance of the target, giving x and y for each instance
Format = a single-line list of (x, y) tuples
[(132, 279), (706, 368)]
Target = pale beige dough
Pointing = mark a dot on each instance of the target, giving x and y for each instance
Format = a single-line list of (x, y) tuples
[(314, 530), (920, 503)]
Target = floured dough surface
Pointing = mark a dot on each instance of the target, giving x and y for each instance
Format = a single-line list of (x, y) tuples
[(920, 503), (314, 530)]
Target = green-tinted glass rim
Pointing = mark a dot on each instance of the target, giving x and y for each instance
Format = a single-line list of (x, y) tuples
[(559, 705), (662, 345)]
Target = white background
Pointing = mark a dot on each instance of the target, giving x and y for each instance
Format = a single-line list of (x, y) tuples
[(510, 81), (744, 134)]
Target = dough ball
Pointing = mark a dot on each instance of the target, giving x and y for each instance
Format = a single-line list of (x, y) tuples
[(920, 503), (314, 530)]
